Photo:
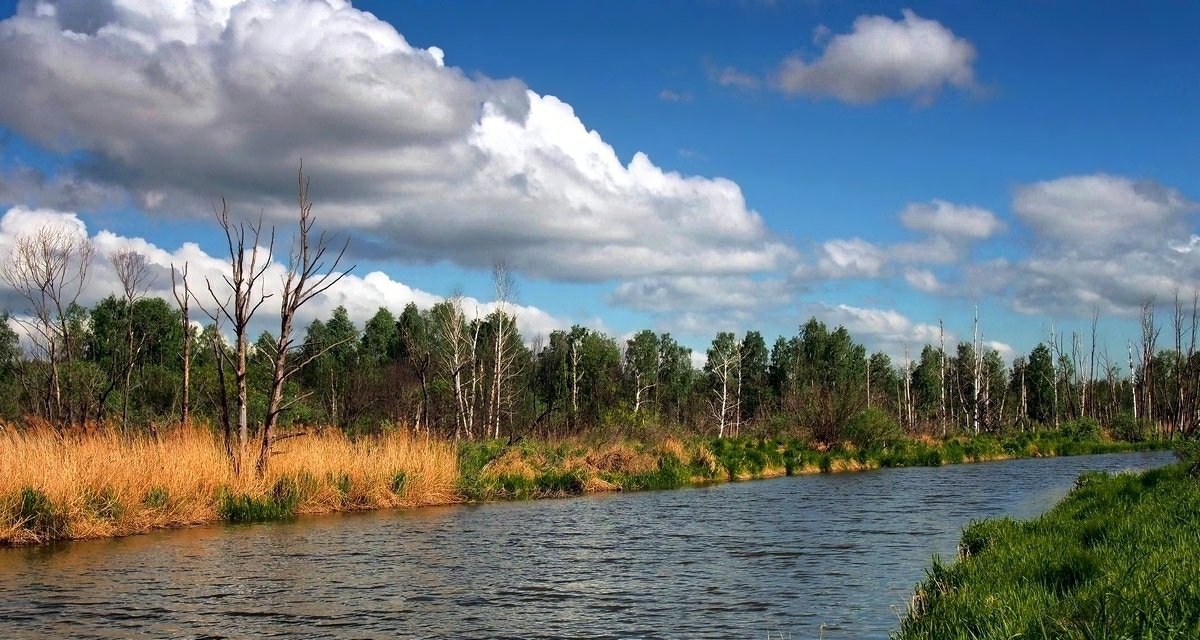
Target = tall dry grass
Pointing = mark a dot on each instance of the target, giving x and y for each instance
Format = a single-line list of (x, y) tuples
[(101, 484)]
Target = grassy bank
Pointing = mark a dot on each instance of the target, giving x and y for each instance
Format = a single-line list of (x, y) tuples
[(102, 485), (55, 486), (1119, 557), (492, 470)]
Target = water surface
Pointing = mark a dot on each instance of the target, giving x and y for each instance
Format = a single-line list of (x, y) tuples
[(824, 555)]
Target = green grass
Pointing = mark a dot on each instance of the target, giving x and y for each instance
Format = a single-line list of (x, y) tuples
[(280, 504), (40, 516), (552, 469), (1119, 557)]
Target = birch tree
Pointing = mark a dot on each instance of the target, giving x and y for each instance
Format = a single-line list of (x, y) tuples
[(641, 359), (722, 368), (133, 272), (48, 268), (504, 353), (183, 300)]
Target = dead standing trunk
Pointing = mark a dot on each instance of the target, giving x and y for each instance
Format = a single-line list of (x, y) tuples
[(311, 271)]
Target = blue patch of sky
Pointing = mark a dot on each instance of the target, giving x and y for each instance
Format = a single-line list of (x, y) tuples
[(1070, 88)]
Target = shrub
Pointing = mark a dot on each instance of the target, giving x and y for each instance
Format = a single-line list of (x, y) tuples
[(1188, 452), (103, 503), (1128, 429), (560, 482), (873, 428), (1081, 429)]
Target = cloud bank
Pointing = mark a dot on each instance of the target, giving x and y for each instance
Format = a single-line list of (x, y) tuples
[(177, 103), (361, 295)]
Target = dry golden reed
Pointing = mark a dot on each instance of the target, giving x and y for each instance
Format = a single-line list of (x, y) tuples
[(101, 484)]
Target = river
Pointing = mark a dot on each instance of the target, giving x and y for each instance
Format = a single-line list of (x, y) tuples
[(833, 556)]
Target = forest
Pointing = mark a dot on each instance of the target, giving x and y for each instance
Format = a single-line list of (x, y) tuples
[(141, 412), (138, 362)]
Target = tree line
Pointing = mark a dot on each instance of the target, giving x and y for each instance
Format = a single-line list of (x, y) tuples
[(452, 371), (140, 361)]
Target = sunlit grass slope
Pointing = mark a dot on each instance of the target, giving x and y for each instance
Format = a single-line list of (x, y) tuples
[(55, 486), (101, 484), (1118, 558)]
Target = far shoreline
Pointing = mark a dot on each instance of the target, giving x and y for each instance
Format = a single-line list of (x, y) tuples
[(330, 473)]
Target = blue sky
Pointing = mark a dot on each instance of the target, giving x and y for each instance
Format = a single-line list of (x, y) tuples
[(1060, 140)]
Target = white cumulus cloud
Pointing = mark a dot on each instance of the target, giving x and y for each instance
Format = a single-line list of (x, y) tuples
[(1104, 241), (177, 103), (361, 295), (950, 220), (880, 58)]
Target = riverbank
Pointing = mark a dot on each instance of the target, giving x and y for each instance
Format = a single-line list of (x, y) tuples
[(101, 485), (1117, 558), (55, 486), (492, 470)]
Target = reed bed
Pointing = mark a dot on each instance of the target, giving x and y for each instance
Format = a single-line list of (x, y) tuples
[(101, 484)]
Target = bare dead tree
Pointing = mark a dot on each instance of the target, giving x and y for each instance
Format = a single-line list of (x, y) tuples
[(1055, 354), (576, 374), (1150, 331), (219, 357), (248, 261), (1177, 323), (906, 419), (48, 268), (1091, 380), (311, 271), (1133, 379), (185, 409), (1077, 386), (724, 368), (977, 371), (133, 272), (868, 381), (1191, 410), (942, 376)]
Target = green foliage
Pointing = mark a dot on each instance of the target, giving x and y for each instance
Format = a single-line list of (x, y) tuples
[(873, 428), (1188, 452), (342, 484), (555, 482), (1128, 429), (399, 483), (1116, 559), (103, 503), (747, 456), (36, 513), (156, 498), (472, 456), (280, 504), (1081, 429)]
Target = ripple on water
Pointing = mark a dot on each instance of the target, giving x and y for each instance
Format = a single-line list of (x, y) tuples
[(785, 556)]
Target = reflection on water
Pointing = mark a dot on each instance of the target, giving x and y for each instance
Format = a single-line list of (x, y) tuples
[(729, 561)]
